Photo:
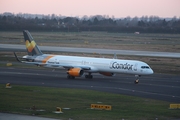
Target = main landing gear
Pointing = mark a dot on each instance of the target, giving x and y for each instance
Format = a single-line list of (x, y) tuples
[(137, 79), (70, 77), (89, 76)]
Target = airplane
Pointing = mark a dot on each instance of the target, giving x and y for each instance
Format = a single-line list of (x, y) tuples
[(77, 66)]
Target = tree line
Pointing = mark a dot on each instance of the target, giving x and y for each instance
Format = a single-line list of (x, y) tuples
[(35, 22)]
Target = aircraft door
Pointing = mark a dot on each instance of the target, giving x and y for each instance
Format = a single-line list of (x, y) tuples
[(135, 67)]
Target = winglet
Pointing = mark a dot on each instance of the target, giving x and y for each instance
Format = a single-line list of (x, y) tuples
[(115, 56), (17, 58)]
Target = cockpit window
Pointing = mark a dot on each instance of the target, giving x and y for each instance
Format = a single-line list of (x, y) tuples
[(145, 67)]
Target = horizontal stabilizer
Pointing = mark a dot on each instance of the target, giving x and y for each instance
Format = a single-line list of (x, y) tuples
[(34, 63)]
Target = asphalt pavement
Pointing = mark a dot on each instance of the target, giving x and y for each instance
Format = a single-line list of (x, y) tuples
[(157, 86)]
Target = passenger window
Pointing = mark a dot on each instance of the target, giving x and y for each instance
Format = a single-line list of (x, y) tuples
[(143, 67)]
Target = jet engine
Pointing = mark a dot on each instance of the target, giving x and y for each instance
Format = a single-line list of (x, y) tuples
[(76, 72), (107, 74)]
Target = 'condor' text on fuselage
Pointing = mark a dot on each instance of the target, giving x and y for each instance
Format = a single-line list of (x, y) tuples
[(116, 65)]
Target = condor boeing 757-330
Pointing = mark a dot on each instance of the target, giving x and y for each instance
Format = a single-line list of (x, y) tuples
[(76, 66)]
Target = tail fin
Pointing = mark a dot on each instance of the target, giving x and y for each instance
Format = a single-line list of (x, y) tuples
[(31, 46)]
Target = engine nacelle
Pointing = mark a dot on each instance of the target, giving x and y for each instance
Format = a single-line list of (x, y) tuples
[(107, 74), (76, 72)]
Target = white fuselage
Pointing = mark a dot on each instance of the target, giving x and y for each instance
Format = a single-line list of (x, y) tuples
[(97, 64)]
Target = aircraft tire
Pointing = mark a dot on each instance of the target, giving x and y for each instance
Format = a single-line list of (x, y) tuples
[(89, 76), (70, 77), (136, 81)]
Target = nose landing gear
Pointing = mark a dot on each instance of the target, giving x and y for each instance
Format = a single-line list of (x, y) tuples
[(137, 79)]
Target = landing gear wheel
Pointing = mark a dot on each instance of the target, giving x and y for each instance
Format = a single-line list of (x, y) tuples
[(89, 76), (86, 76), (136, 81), (70, 77)]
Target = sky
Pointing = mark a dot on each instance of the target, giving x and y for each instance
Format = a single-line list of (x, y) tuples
[(112, 8)]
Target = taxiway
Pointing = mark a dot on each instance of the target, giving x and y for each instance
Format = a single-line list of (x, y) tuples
[(20, 48), (157, 86)]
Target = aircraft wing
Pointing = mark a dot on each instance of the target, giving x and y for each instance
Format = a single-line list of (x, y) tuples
[(74, 66), (83, 67), (34, 63)]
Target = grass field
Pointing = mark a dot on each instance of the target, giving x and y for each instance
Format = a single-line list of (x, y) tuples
[(21, 99), (148, 42)]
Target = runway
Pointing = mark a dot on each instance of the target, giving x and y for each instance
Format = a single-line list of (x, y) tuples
[(20, 48), (157, 86)]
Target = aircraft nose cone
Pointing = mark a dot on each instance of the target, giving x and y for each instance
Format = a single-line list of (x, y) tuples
[(151, 71)]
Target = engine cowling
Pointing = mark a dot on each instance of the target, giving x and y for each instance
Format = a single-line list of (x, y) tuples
[(107, 73), (76, 72)]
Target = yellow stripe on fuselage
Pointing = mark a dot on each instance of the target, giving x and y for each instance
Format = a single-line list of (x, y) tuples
[(47, 58)]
